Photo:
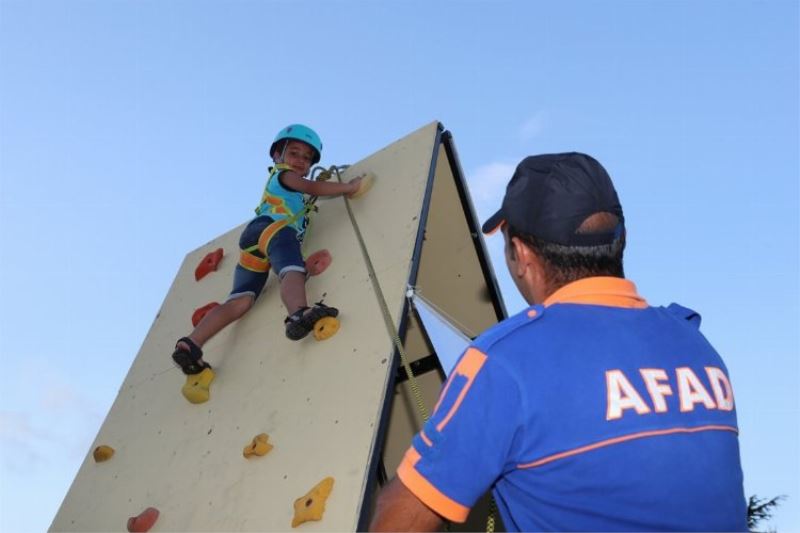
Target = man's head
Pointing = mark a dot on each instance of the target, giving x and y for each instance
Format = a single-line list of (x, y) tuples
[(297, 146), (562, 221)]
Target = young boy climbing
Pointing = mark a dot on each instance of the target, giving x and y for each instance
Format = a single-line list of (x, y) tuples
[(272, 241)]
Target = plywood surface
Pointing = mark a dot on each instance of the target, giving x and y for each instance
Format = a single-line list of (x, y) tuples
[(318, 401)]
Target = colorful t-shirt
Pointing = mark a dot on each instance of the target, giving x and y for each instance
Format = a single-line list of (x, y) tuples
[(592, 412), (279, 203)]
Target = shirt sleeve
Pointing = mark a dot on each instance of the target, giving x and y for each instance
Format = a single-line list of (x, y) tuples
[(466, 444)]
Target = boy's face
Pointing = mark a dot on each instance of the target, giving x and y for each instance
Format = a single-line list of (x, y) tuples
[(297, 155)]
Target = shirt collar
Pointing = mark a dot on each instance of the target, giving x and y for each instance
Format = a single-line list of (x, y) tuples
[(608, 291)]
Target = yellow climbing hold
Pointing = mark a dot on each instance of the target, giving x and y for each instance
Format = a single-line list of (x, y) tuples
[(196, 387), (325, 328), (312, 505), (102, 453), (258, 447), (366, 184)]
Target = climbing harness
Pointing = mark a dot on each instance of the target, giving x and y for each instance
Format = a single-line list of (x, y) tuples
[(254, 257), (317, 174)]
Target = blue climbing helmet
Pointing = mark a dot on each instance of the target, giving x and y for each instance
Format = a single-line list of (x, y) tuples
[(299, 132)]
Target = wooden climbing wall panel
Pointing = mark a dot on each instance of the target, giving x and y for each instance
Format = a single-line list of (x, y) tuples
[(320, 403)]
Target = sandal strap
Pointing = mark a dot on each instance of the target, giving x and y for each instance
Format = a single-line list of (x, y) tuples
[(296, 316), (195, 352)]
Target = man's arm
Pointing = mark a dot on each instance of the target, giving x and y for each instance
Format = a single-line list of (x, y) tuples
[(397, 509)]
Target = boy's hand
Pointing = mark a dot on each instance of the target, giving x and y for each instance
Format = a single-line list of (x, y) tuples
[(354, 184)]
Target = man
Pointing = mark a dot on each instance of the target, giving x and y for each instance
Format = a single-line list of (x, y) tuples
[(588, 411)]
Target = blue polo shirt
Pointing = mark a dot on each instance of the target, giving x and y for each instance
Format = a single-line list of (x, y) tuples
[(592, 412)]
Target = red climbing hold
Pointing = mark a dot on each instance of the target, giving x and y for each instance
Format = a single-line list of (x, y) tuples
[(200, 312), (318, 262), (208, 264), (143, 522)]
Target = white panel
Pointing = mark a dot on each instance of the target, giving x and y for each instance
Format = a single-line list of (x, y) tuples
[(318, 401)]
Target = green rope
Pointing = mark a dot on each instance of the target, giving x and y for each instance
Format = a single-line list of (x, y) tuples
[(492, 513), (310, 207), (387, 316)]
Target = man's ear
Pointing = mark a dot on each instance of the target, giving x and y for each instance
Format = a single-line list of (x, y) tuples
[(521, 255)]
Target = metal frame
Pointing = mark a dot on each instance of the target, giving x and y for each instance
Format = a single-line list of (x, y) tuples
[(376, 470)]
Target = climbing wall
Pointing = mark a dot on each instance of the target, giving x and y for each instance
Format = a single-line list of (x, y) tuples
[(318, 402)]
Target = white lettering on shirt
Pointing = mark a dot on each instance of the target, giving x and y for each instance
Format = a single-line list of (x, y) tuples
[(653, 378), (622, 395), (723, 392), (691, 390)]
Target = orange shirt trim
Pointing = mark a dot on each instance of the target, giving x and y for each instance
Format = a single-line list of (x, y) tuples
[(601, 290), (426, 492), (624, 438)]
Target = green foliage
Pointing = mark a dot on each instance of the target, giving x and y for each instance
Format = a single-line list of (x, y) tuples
[(759, 510)]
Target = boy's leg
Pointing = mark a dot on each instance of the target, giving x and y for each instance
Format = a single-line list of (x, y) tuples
[(218, 318), (287, 261), (293, 291), (247, 285)]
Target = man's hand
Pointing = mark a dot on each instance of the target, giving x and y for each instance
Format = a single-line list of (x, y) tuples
[(397, 509)]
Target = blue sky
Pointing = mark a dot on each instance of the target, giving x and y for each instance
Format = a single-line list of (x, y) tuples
[(134, 132)]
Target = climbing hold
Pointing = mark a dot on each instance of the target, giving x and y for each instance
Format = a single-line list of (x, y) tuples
[(325, 328), (365, 185), (196, 387), (312, 505), (258, 447), (318, 262), (200, 312), (102, 453), (143, 522), (208, 264)]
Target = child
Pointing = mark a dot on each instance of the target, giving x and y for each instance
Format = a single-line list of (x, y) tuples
[(272, 240)]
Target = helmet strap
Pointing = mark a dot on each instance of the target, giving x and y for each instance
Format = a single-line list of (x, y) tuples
[(283, 151)]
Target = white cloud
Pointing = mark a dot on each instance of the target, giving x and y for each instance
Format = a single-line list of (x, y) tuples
[(47, 421), (21, 442)]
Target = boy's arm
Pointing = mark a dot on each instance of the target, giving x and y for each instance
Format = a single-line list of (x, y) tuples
[(295, 181)]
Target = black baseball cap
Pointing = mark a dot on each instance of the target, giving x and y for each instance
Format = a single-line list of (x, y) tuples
[(549, 196)]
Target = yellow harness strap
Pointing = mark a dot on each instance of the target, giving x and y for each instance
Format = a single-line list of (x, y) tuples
[(251, 261), (269, 232), (261, 264)]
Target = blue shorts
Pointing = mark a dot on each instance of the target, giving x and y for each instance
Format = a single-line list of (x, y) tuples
[(283, 252)]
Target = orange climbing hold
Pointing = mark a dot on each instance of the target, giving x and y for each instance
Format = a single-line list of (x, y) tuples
[(318, 262), (102, 453), (208, 264), (143, 522), (200, 312), (259, 446)]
